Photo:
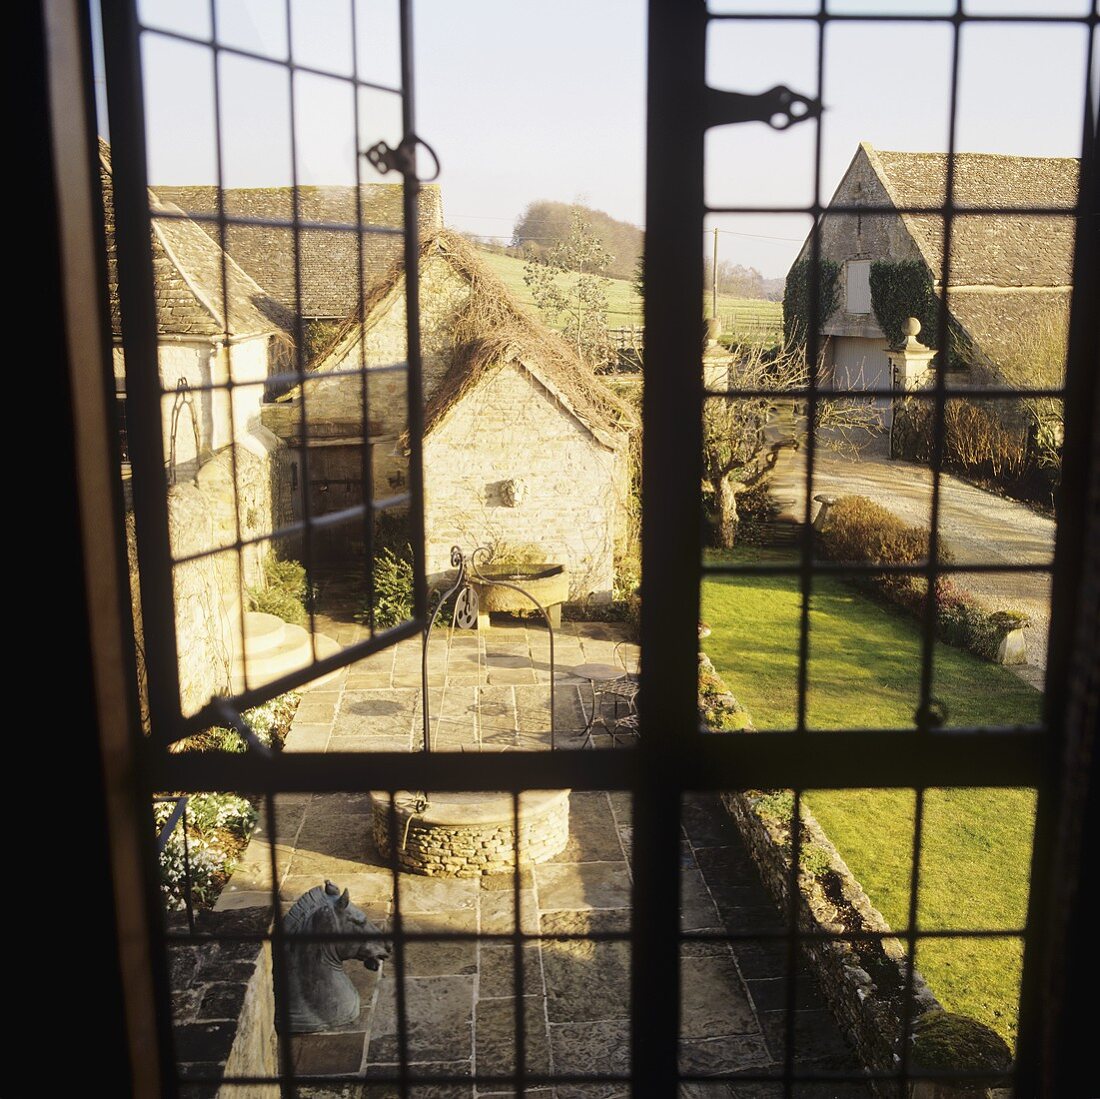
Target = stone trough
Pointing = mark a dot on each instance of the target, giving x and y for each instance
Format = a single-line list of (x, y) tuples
[(467, 835), (548, 584)]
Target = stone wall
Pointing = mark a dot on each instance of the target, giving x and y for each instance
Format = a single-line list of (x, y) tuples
[(197, 421), (457, 839), (864, 982), (223, 1007), (572, 496), (202, 515)]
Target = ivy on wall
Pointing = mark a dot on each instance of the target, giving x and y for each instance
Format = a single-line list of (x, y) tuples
[(796, 298), (900, 290)]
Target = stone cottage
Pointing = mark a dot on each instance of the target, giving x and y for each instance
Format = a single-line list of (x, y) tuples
[(1009, 272), (523, 448), (225, 471)]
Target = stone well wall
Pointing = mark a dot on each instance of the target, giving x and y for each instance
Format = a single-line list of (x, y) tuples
[(467, 835)]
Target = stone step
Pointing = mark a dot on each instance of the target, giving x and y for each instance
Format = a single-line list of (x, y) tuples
[(263, 633), (283, 648)]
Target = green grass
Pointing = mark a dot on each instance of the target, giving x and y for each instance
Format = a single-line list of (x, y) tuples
[(864, 671), (624, 304)]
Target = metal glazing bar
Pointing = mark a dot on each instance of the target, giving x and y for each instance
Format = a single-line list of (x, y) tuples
[(897, 17), (1045, 1029), (816, 210), (305, 224), (862, 568), (308, 559), (366, 469), (825, 395), (925, 705), (851, 759), (292, 377), (256, 696), (415, 385), (137, 308), (283, 62), (507, 937), (671, 471), (322, 522)]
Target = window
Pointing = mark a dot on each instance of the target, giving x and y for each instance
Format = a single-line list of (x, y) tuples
[(858, 288), (674, 756)]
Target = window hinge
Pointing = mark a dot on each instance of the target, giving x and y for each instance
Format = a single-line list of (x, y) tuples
[(779, 107), (402, 158)]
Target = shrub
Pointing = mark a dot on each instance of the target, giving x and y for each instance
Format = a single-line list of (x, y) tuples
[(393, 590), (719, 711), (217, 825), (269, 721), (859, 530), (757, 509), (284, 594)]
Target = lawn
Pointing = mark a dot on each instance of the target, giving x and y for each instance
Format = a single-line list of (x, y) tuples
[(864, 672), (624, 304)]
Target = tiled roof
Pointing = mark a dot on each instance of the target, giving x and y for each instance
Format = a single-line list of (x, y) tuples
[(329, 267), (188, 277), (1002, 249)]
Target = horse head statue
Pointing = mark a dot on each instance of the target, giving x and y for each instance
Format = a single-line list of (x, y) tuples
[(320, 994)]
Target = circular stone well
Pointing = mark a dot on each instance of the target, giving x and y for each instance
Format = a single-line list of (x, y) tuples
[(467, 835)]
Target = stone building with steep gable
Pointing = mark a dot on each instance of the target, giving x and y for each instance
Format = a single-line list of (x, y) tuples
[(523, 448), (1009, 272)]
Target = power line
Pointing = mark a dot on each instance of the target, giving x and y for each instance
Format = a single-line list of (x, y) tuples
[(724, 232)]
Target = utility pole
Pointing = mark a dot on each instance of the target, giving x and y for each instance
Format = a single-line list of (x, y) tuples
[(714, 278)]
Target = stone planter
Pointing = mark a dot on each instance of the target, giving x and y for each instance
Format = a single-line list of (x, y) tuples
[(1010, 625), (1012, 649), (549, 584)]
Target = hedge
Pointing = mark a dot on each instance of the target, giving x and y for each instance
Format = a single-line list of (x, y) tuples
[(857, 530)]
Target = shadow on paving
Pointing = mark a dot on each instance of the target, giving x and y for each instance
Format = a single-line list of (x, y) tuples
[(460, 997)]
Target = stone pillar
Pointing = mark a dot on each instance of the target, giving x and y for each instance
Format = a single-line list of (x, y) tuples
[(910, 363)]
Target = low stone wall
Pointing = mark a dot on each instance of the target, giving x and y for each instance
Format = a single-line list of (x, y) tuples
[(223, 1007), (864, 983), (468, 835)]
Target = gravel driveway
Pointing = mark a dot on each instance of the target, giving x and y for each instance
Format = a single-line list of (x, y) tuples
[(979, 528)]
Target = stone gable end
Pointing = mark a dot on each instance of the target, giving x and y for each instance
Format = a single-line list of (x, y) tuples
[(509, 428)]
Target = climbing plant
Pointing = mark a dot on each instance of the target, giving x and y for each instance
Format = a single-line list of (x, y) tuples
[(902, 289), (796, 298)]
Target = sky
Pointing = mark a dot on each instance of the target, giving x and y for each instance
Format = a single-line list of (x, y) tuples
[(525, 101)]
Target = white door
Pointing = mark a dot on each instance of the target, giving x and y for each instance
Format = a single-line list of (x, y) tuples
[(863, 364)]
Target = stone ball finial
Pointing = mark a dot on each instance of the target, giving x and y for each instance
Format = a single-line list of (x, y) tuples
[(911, 327)]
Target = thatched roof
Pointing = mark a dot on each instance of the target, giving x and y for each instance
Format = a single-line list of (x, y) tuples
[(1002, 249), (329, 267), (187, 274), (489, 332)]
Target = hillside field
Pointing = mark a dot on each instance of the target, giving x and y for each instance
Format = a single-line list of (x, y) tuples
[(624, 304)]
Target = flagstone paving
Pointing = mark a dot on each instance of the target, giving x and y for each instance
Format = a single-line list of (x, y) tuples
[(460, 1001)]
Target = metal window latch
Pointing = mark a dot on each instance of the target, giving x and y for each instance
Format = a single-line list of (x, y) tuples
[(401, 159), (779, 107)]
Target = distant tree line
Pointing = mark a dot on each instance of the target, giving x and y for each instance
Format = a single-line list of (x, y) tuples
[(742, 282), (547, 227), (544, 225)]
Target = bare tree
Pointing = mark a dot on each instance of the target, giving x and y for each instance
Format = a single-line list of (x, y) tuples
[(568, 284), (743, 436)]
